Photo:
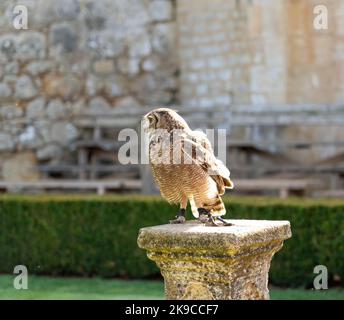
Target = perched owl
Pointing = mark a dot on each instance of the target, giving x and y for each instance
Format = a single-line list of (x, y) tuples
[(185, 168)]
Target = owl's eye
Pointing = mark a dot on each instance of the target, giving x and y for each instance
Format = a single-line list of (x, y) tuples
[(152, 119)]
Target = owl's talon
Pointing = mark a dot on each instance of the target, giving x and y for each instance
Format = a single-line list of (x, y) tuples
[(225, 223), (212, 222), (208, 219), (179, 219)]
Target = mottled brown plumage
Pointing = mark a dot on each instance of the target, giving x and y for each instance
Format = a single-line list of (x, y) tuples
[(184, 165)]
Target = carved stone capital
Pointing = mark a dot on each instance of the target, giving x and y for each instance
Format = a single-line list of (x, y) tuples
[(221, 263)]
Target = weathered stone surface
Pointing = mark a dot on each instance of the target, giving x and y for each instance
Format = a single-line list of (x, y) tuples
[(43, 128), (116, 86), (164, 38), (10, 112), (99, 105), (127, 103), (128, 66), (30, 138), (6, 142), (67, 9), (63, 39), (48, 152), (144, 85), (20, 167), (63, 132), (25, 88), (104, 66), (161, 10), (67, 86), (7, 47), (94, 84), (56, 110), (5, 90), (221, 263), (151, 63), (11, 68), (80, 56), (36, 108), (105, 44), (39, 67), (140, 46), (148, 90), (95, 14), (30, 45)]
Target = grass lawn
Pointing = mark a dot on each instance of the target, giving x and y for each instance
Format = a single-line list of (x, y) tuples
[(95, 288)]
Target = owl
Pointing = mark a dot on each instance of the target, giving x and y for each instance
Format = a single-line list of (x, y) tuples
[(185, 168)]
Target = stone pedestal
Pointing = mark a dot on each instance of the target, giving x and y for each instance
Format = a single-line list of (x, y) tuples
[(221, 263)]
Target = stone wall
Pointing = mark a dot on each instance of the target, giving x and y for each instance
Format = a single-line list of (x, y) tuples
[(97, 55), (259, 52), (79, 55)]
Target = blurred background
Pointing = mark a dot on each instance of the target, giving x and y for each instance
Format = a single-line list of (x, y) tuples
[(82, 70)]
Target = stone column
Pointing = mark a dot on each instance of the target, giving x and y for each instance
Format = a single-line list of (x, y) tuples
[(203, 263)]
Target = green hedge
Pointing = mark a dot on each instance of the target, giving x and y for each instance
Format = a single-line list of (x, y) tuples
[(89, 236)]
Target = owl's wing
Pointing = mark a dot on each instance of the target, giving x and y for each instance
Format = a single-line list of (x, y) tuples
[(197, 148)]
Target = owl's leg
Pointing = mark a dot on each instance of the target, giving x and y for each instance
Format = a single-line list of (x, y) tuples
[(180, 217), (206, 217)]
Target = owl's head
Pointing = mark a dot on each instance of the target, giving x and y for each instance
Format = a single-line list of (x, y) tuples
[(163, 118)]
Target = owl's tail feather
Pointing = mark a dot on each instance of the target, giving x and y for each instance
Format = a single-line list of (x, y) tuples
[(193, 207), (216, 207)]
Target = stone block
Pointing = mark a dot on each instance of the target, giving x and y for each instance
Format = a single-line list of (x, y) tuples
[(161, 10), (30, 139), (215, 263), (36, 68), (164, 38), (140, 46), (5, 91), (6, 142), (56, 109), (20, 167), (99, 105), (128, 66), (116, 86), (30, 45), (104, 67), (49, 152), (63, 132), (63, 39), (25, 88), (10, 112), (36, 108), (66, 86)]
